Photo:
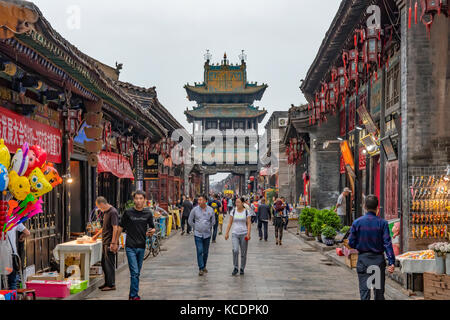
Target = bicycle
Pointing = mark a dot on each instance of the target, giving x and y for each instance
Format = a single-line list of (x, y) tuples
[(153, 244)]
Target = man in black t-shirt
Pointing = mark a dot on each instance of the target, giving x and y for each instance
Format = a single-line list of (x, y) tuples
[(138, 224), (186, 210), (110, 242)]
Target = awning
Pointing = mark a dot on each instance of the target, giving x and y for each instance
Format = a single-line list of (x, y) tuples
[(116, 164)]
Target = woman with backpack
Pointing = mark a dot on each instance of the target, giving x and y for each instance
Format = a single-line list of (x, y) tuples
[(240, 220), (278, 215)]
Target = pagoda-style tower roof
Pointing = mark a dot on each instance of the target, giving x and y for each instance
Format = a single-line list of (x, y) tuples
[(243, 111), (225, 83)]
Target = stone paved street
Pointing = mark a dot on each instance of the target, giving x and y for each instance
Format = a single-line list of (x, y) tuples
[(272, 272)]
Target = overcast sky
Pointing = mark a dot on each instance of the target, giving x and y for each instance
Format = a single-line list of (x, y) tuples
[(162, 42)]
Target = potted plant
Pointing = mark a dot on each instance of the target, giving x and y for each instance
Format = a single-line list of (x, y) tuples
[(328, 234), (306, 219), (442, 252)]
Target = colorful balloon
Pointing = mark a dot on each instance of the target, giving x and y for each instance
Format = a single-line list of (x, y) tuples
[(38, 183), (52, 175), (5, 157), (36, 158), (4, 179), (19, 162), (18, 186)]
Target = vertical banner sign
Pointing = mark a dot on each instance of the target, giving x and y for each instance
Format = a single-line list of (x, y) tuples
[(342, 166), (151, 167), (140, 167), (362, 159)]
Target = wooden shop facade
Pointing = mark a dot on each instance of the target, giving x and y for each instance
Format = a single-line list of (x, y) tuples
[(376, 115), (97, 130)]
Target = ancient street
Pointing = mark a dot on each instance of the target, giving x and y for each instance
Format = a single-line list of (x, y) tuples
[(272, 272)]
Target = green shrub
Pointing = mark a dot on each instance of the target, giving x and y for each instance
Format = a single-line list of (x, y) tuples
[(331, 218), (329, 232), (345, 229), (306, 218), (316, 228), (324, 218)]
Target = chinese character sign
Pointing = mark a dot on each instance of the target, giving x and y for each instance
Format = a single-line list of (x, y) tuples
[(16, 130)]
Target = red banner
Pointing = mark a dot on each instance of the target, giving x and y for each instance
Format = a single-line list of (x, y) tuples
[(342, 166), (116, 164), (16, 130), (362, 159)]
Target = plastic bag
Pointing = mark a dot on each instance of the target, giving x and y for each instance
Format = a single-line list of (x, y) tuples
[(6, 266)]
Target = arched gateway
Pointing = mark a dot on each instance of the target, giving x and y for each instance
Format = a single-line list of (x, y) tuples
[(225, 122)]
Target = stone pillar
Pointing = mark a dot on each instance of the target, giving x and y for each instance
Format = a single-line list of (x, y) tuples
[(324, 164)]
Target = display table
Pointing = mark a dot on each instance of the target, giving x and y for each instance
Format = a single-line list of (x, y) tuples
[(90, 254), (409, 265), (415, 270)]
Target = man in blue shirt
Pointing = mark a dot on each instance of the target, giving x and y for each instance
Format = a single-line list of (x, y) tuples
[(202, 219), (370, 236)]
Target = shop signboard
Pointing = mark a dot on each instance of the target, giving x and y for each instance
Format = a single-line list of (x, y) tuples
[(151, 167), (368, 121), (16, 129)]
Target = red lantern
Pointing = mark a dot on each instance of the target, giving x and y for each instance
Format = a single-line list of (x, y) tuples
[(342, 79), (252, 178), (73, 121)]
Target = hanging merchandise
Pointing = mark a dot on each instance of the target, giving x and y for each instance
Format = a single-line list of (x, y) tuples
[(5, 157), (4, 179), (40, 178), (20, 160)]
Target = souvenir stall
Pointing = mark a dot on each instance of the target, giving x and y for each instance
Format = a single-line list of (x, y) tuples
[(24, 179), (429, 197)]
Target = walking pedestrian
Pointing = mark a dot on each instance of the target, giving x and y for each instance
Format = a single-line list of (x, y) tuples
[(110, 242), (185, 212), (137, 222), (230, 204), (278, 220), (195, 202), (240, 219), (263, 219), (202, 219), (255, 205), (341, 205), (286, 211), (217, 207), (370, 235)]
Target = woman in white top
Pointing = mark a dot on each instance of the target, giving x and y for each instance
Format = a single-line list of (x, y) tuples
[(240, 219)]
